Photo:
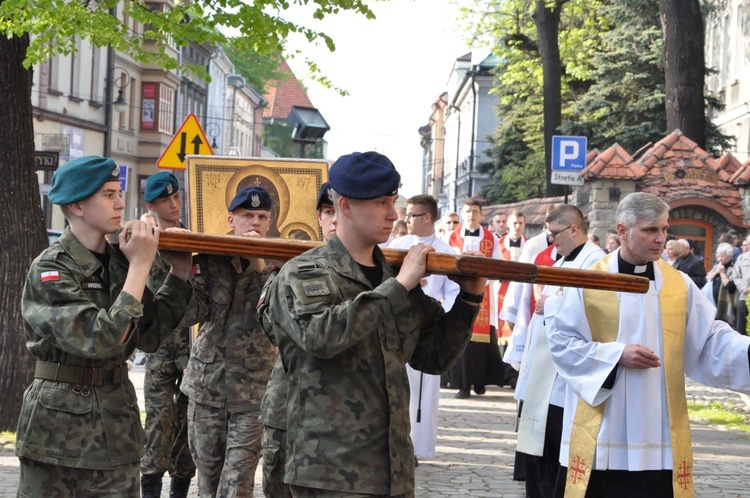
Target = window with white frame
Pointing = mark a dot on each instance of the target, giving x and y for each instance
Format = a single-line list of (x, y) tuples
[(166, 109)]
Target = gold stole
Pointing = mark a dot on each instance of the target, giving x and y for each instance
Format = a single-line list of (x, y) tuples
[(602, 313)]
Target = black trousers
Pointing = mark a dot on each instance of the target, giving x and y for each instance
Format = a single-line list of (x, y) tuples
[(622, 484)]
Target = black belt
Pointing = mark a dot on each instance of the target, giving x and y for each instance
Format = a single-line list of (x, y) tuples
[(81, 376)]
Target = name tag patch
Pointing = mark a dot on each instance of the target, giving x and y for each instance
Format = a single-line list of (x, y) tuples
[(92, 286), (315, 288)]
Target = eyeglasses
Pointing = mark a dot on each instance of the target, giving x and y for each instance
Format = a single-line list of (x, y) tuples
[(409, 216), (452, 222), (555, 234)]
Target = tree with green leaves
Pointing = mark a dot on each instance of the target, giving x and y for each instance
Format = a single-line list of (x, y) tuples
[(625, 103), (34, 31), (614, 84), (530, 105)]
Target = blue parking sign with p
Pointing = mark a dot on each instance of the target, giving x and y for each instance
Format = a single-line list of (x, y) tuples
[(568, 153)]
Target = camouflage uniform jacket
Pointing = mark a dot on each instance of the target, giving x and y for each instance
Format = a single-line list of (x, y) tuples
[(175, 347), (77, 317), (344, 346), (232, 357), (273, 407)]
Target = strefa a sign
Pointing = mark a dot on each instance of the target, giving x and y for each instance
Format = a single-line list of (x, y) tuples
[(568, 160)]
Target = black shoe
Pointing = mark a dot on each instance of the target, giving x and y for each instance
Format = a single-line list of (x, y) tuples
[(151, 486), (480, 390), (416, 461), (463, 393), (180, 487)]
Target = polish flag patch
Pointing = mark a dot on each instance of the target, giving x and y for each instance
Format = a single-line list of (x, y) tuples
[(196, 269), (50, 276)]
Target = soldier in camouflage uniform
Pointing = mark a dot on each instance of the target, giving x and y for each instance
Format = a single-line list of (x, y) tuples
[(166, 406), (346, 324), (231, 359), (86, 307), (273, 408)]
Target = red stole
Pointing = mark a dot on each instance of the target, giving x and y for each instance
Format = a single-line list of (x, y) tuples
[(544, 258), (481, 330), (503, 329)]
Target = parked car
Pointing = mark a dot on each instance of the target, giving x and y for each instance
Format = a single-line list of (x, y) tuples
[(53, 235)]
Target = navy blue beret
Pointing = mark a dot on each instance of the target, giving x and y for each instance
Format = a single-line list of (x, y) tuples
[(364, 175), (252, 198), (80, 178), (323, 197), (162, 184)]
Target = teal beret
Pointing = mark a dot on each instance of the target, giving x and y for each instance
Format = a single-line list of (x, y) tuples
[(80, 178), (364, 175), (162, 184), (253, 199)]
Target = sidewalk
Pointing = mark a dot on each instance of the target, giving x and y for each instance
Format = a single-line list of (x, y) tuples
[(476, 446)]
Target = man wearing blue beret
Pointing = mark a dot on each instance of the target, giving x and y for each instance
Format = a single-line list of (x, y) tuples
[(231, 359), (86, 307), (166, 406), (346, 323)]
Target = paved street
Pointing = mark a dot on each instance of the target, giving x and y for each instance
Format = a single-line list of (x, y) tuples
[(476, 443)]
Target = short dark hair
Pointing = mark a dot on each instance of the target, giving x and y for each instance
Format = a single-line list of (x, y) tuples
[(471, 201), (567, 214), (426, 201)]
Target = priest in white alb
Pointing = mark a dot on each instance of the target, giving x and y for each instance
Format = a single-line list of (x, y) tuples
[(540, 389), (624, 357), (421, 213)]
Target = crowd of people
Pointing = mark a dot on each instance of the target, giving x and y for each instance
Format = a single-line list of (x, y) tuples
[(329, 365)]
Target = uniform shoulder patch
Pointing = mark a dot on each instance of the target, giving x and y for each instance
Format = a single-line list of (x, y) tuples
[(50, 276)]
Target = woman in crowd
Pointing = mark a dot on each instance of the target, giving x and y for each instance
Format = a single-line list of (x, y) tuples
[(673, 250), (721, 285)]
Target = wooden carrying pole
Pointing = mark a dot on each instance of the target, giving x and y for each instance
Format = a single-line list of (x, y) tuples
[(438, 263)]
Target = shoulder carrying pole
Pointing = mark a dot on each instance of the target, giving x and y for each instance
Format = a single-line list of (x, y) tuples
[(438, 263)]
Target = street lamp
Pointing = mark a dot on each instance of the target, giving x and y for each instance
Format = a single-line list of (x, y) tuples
[(121, 105), (308, 126)]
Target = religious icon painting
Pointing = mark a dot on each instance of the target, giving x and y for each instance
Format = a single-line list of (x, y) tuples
[(212, 182)]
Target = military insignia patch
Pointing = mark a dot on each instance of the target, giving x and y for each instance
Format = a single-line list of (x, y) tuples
[(50, 276), (196, 269), (316, 288), (255, 201)]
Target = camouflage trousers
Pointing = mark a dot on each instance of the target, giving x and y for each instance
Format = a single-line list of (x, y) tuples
[(300, 492), (166, 423), (274, 458), (226, 448), (44, 480)]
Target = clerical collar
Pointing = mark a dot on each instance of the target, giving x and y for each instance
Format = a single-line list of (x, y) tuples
[(626, 268), (574, 253), (514, 243), (471, 233)]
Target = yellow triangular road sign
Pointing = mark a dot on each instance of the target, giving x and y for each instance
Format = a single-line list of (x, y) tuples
[(189, 139)]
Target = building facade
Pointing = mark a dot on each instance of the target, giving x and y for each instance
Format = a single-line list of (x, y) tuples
[(727, 50), (99, 102), (461, 121)]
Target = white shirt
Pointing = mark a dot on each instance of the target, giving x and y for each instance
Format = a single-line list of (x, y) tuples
[(438, 287)]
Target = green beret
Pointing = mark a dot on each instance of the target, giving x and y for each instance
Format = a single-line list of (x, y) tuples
[(80, 178), (162, 184)]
